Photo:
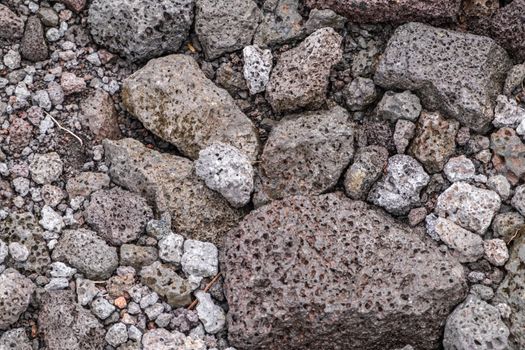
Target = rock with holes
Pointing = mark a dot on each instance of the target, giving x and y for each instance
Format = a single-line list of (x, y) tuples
[(225, 25), (99, 114), (496, 251), (257, 67), (140, 29), (475, 325), (118, 215), (33, 45), (508, 113), (507, 145), (398, 191), (12, 25), (65, 325), (164, 280), (300, 77), (457, 73), (386, 288), (468, 206), (173, 98), (402, 105), (507, 28), (435, 141), (281, 22), (161, 339), (514, 80), (86, 183), (46, 168), (87, 252), (505, 225), (307, 153), (360, 93), (365, 170), (170, 183), (15, 295), (15, 339)]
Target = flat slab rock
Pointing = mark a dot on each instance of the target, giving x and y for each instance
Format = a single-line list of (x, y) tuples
[(173, 98), (456, 73), (331, 273)]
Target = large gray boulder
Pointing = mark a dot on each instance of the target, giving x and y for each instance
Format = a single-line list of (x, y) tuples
[(140, 29), (15, 295), (173, 98), (172, 186), (327, 272), (457, 73), (307, 153)]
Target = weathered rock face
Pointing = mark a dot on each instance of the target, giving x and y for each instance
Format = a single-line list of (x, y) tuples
[(225, 25), (281, 22), (99, 115), (508, 29), (15, 295), (365, 170), (12, 25), (164, 280), (300, 77), (65, 325), (170, 183), (33, 46), (15, 339), (140, 29), (508, 145), (307, 153), (385, 289), (459, 74), (173, 98), (367, 11)]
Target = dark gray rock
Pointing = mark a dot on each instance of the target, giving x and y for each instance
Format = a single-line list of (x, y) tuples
[(402, 105), (459, 74), (164, 280), (365, 170), (137, 256), (15, 295), (12, 25), (140, 29), (281, 22), (361, 296), (360, 93), (33, 46), (318, 19), (508, 29)]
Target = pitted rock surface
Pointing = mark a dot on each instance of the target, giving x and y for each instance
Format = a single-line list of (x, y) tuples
[(15, 295), (170, 183), (306, 153), (330, 257), (365, 170), (12, 25), (459, 74), (164, 280), (508, 29), (173, 98)]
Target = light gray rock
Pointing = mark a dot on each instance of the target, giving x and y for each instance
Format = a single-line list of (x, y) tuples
[(403, 133), (281, 23), (257, 67), (86, 291), (15, 295), (46, 168), (360, 93), (52, 195), (507, 113), (518, 200), (474, 324), (117, 334), (57, 284), (398, 191), (403, 105), (227, 170), (4, 251), (171, 248), (212, 316), (300, 77), (459, 169), (164, 280), (15, 339), (496, 251), (505, 225), (499, 184), (200, 259), (457, 73), (483, 292), (318, 19), (468, 206), (12, 59), (59, 269), (18, 251), (51, 220), (185, 108), (365, 170), (225, 25), (140, 29), (102, 308), (515, 79), (161, 339)]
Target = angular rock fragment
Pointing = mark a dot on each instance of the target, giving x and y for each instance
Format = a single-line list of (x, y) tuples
[(403, 105), (360, 93), (403, 134), (164, 280), (459, 169), (86, 183), (456, 73), (506, 144), (386, 289), (257, 67), (507, 28), (12, 25), (46, 168), (15, 339), (99, 115), (15, 295), (281, 22), (507, 113), (173, 98), (365, 170)]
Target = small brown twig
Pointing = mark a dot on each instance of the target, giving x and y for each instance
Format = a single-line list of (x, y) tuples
[(515, 234), (65, 129), (207, 288)]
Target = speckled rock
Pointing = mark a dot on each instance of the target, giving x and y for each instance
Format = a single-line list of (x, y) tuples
[(404, 132), (164, 280), (500, 184), (459, 169), (87, 252), (170, 183), (15, 295), (257, 67), (392, 11), (119, 216), (186, 109), (33, 46), (65, 325), (459, 74), (318, 19), (71, 83), (225, 25), (126, 28), (200, 259), (507, 113), (300, 77), (518, 200), (281, 23), (86, 183), (137, 256), (171, 248), (307, 153), (161, 339), (15, 339), (505, 225), (365, 170), (12, 25), (360, 93), (212, 316), (46, 168), (403, 105), (275, 246), (506, 144), (506, 27), (75, 5), (435, 141), (468, 206), (475, 325), (99, 115), (398, 191), (515, 78), (496, 251)]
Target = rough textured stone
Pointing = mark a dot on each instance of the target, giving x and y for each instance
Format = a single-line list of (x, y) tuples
[(71, 83), (508, 29), (137, 256), (403, 134), (140, 29), (518, 200), (505, 225), (164, 280), (33, 46), (86, 183), (403, 105), (161, 339), (46, 168), (75, 5), (15, 339), (257, 67), (225, 25), (51, 220), (500, 184), (117, 334), (227, 170), (119, 216), (12, 25), (169, 182), (435, 141), (300, 77), (506, 144), (306, 153), (15, 295), (364, 291), (186, 109), (468, 206), (99, 115), (398, 191), (459, 169), (392, 11), (281, 23), (360, 93), (514, 80), (318, 19), (459, 74), (212, 316), (65, 325), (171, 248), (365, 170), (496, 251), (88, 253), (507, 113), (475, 325), (200, 259)]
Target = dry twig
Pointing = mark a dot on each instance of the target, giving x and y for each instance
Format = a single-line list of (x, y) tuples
[(207, 288), (65, 129)]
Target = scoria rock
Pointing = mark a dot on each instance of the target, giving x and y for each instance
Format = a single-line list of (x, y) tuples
[(506, 27), (365, 170), (12, 25), (99, 115), (508, 145), (15, 295)]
